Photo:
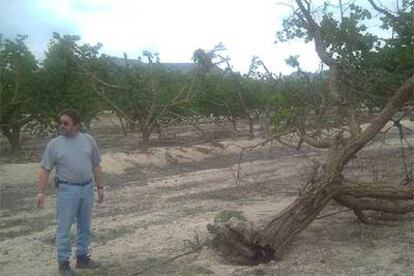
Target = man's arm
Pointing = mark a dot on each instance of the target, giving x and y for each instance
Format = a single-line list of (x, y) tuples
[(97, 172), (43, 181)]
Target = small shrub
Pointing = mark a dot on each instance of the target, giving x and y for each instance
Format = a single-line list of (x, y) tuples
[(225, 215), (195, 242)]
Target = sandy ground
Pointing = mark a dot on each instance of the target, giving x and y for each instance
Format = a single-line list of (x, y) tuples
[(160, 202)]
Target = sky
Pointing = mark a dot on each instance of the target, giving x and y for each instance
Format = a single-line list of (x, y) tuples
[(172, 28)]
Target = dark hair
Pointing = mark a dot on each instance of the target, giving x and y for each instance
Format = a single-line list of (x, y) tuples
[(73, 114)]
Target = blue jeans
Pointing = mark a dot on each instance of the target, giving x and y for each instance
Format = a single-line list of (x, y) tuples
[(73, 202)]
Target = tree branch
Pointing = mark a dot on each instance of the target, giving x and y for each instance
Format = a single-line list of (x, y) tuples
[(314, 29), (321, 144), (335, 86), (388, 14), (376, 204), (102, 82), (395, 103), (359, 190)]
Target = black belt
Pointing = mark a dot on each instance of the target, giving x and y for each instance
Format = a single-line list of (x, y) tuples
[(60, 181)]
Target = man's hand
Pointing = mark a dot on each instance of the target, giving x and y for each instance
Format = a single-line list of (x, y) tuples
[(40, 200), (43, 181), (100, 195), (97, 173)]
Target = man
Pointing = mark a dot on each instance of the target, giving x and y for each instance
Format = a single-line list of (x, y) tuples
[(75, 157)]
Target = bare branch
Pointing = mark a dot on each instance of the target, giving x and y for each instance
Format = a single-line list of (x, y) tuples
[(102, 82), (388, 13), (243, 149), (297, 148), (333, 213), (335, 68), (321, 143), (396, 102), (207, 137), (111, 103), (269, 74), (184, 96)]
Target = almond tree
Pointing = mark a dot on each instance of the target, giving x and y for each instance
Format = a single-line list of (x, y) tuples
[(64, 83), (348, 50), (232, 95), (144, 93), (17, 88)]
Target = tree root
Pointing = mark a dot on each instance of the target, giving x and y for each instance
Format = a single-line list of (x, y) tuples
[(237, 247)]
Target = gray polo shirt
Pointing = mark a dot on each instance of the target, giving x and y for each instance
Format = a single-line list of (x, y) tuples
[(73, 157)]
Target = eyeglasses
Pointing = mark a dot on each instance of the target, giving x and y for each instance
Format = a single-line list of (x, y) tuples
[(64, 123)]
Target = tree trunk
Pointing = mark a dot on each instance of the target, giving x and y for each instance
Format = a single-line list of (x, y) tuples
[(88, 123), (297, 216), (251, 129), (233, 121), (271, 242), (13, 136), (158, 130), (397, 199), (123, 127), (132, 126), (146, 132), (265, 123)]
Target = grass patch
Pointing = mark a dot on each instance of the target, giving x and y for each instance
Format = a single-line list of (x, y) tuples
[(192, 211), (196, 270), (225, 215), (106, 235)]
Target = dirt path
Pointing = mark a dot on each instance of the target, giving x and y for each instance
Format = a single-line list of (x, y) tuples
[(156, 202)]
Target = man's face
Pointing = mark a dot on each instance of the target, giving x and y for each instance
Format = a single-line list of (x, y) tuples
[(66, 126)]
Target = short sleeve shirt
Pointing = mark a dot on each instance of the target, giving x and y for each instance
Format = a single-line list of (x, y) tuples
[(73, 157)]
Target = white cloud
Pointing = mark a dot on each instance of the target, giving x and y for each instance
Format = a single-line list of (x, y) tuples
[(176, 28)]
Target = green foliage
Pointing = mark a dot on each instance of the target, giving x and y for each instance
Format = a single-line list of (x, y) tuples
[(347, 37), (371, 68), (17, 86), (219, 97), (17, 65), (148, 84), (68, 86), (147, 93), (225, 215), (302, 102), (33, 95), (194, 243), (391, 61), (230, 95), (204, 59)]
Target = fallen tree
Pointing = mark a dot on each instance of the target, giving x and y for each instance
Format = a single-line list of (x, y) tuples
[(248, 246)]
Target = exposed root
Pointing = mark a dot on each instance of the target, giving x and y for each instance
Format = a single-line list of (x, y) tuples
[(238, 247)]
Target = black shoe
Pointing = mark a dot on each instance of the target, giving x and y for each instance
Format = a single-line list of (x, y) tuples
[(85, 261), (65, 269)]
